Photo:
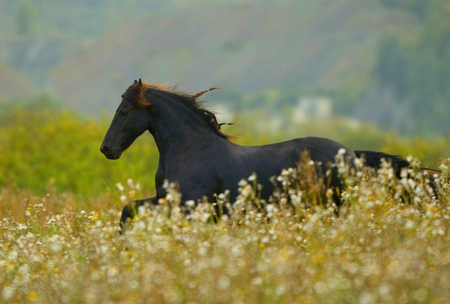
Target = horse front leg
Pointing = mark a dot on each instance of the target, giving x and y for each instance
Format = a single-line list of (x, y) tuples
[(131, 209)]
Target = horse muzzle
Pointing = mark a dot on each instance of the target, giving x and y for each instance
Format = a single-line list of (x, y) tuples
[(109, 153)]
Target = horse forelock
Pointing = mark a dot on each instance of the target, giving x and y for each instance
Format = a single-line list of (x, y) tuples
[(135, 94)]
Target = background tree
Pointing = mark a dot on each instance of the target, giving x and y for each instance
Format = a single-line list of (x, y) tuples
[(27, 18)]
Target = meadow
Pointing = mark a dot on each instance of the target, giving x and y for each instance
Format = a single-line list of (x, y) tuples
[(61, 200)]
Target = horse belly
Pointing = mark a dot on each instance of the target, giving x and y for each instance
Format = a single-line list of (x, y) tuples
[(264, 166)]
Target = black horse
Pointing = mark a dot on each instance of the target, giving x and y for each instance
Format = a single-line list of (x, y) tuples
[(197, 155)]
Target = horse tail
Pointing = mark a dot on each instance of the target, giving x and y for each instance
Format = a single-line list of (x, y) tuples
[(373, 160)]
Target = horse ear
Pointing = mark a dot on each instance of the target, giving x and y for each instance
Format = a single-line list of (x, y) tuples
[(198, 94), (140, 82)]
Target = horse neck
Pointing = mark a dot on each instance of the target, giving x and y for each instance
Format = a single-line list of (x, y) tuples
[(177, 129)]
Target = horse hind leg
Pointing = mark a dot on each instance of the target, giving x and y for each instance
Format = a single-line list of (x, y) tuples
[(131, 209)]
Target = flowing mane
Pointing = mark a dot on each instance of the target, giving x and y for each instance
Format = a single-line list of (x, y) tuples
[(136, 94)]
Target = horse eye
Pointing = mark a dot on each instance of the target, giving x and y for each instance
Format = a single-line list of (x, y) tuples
[(124, 113)]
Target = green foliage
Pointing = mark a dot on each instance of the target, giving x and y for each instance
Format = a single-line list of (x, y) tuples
[(419, 71), (416, 6), (391, 63), (27, 18), (48, 148), (82, 18)]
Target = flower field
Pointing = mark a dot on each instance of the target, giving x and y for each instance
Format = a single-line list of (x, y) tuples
[(388, 243)]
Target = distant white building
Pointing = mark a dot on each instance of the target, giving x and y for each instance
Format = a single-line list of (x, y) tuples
[(319, 108), (223, 112)]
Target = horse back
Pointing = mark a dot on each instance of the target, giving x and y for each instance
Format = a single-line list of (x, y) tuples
[(269, 160)]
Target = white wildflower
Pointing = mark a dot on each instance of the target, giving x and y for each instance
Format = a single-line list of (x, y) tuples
[(257, 281), (224, 282), (120, 187)]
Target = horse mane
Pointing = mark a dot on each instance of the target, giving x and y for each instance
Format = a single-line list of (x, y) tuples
[(136, 94)]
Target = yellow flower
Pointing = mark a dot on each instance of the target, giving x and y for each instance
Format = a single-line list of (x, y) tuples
[(33, 297)]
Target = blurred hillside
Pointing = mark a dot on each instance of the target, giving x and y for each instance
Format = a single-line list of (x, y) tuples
[(384, 61), (13, 85), (244, 48)]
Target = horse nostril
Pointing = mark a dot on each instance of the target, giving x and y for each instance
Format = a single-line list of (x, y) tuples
[(104, 150)]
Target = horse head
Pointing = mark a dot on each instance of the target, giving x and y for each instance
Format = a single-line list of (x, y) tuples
[(130, 121)]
